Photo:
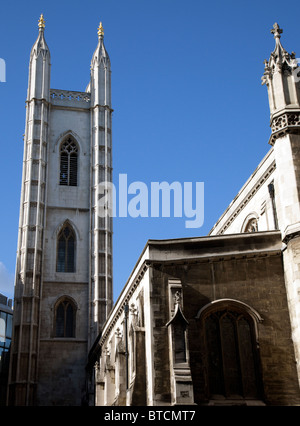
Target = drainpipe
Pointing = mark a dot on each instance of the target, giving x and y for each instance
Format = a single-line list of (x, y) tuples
[(272, 195)]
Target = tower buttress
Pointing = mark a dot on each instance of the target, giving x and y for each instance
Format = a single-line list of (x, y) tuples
[(281, 79), (28, 282), (101, 140)]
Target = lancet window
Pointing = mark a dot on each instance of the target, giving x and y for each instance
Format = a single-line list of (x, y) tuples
[(68, 162), (231, 355), (66, 242), (65, 313), (179, 330)]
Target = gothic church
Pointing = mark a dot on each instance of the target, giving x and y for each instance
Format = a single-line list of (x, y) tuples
[(211, 320)]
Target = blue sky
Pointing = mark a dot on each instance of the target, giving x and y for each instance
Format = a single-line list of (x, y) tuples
[(186, 92)]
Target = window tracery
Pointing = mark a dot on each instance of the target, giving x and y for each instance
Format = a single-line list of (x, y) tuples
[(65, 318), (231, 354), (68, 162)]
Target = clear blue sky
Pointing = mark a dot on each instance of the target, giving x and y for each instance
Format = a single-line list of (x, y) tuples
[(186, 92)]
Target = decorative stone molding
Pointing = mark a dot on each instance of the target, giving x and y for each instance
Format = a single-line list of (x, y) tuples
[(288, 122), (248, 197), (175, 296), (118, 312), (291, 232), (279, 77), (118, 333), (280, 60), (180, 373), (230, 304), (69, 95)]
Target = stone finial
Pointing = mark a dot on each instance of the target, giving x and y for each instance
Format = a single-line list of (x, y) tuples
[(280, 60), (133, 309), (118, 333), (276, 31), (100, 31), (41, 22)]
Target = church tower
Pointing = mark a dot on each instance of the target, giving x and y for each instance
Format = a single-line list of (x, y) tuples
[(63, 286), (282, 81)]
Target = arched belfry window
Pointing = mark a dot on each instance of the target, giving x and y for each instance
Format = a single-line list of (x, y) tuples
[(65, 318), (68, 162), (231, 352), (66, 242)]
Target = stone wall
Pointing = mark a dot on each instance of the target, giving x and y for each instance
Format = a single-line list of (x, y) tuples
[(245, 271), (256, 281)]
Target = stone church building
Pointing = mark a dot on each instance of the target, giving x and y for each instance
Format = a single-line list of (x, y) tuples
[(211, 320)]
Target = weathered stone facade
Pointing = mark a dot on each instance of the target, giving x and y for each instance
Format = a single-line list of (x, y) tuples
[(241, 273)]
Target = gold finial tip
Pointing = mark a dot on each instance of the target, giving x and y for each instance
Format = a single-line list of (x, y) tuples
[(42, 22), (100, 30)]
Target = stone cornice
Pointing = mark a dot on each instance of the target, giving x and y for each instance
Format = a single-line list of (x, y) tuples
[(246, 199), (43, 100), (105, 107), (291, 232), (124, 298)]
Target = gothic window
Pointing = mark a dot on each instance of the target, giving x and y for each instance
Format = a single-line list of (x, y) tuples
[(232, 355), (65, 319), (66, 249), (68, 162)]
